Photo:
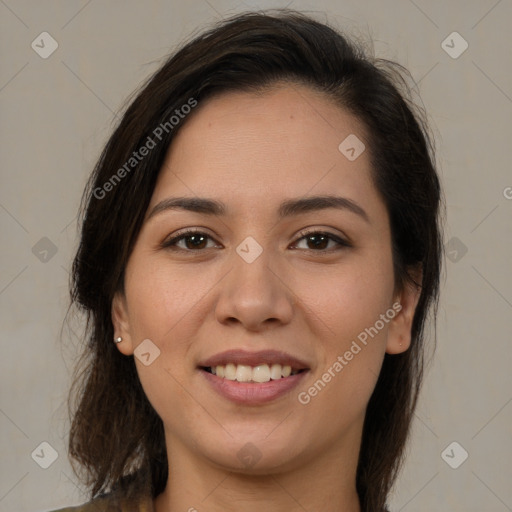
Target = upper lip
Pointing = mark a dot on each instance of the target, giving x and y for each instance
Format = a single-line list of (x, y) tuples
[(253, 359)]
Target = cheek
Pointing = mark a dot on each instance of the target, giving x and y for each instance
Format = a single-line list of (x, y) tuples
[(352, 349), (347, 306), (349, 363), (162, 301), (167, 306), (350, 298), (163, 307)]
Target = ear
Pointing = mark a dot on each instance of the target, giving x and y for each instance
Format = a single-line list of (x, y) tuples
[(399, 333), (120, 320)]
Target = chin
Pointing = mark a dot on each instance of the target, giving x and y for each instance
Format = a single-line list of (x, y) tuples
[(254, 455)]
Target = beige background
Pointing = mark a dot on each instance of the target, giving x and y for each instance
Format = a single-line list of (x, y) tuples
[(57, 112)]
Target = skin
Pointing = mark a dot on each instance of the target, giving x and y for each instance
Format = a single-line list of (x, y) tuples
[(252, 151)]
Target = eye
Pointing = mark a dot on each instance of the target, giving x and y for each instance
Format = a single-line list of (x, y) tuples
[(320, 240), (195, 240), (192, 238)]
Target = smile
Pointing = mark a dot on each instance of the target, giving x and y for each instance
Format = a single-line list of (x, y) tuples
[(256, 374), (252, 378), (251, 392)]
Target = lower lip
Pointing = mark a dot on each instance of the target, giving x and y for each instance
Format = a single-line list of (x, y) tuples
[(253, 393)]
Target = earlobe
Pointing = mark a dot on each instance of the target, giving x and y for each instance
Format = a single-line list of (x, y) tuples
[(399, 333), (120, 321)]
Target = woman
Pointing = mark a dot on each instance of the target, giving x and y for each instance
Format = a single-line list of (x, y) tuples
[(260, 251)]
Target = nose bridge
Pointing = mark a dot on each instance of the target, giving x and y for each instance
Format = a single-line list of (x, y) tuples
[(252, 270), (254, 291)]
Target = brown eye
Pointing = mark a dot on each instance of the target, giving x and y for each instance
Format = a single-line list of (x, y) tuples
[(319, 241), (193, 240)]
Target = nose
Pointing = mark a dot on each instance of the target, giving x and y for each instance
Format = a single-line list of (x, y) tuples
[(256, 295)]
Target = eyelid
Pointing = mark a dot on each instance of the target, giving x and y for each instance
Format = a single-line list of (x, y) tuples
[(341, 241), (170, 241)]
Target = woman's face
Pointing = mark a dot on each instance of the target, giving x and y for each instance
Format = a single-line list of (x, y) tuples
[(308, 286)]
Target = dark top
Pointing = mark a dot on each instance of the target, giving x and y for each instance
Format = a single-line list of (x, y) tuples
[(108, 504)]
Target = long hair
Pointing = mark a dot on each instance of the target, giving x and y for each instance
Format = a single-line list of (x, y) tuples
[(116, 436)]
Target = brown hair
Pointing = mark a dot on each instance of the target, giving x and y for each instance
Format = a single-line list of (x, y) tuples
[(116, 435)]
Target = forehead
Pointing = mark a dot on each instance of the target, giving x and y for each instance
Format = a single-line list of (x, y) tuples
[(246, 148)]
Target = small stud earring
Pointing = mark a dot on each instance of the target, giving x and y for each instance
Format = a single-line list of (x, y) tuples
[(118, 339)]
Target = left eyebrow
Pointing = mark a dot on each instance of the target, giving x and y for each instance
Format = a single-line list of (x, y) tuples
[(315, 203), (287, 208)]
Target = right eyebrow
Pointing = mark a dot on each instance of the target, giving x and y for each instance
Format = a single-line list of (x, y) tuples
[(191, 204), (287, 208)]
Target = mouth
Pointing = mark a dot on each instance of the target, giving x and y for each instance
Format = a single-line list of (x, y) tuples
[(253, 378), (255, 374), (257, 367)]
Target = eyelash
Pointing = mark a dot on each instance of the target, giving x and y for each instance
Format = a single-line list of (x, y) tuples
[(171, 243)]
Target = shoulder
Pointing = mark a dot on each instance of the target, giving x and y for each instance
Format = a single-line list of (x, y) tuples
[(111, 504), (105, 504)]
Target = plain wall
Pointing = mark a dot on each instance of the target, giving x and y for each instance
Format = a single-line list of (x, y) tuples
[(56, 113)]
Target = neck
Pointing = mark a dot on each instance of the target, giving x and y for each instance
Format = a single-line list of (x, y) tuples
[(325, 482)]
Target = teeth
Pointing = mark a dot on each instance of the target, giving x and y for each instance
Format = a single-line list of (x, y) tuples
[(286, 371), (246, 373), (243, 373), (229, 371), (261, 373), (275, 371)]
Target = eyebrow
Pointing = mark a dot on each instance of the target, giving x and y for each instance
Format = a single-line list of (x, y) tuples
[(287, 208)]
